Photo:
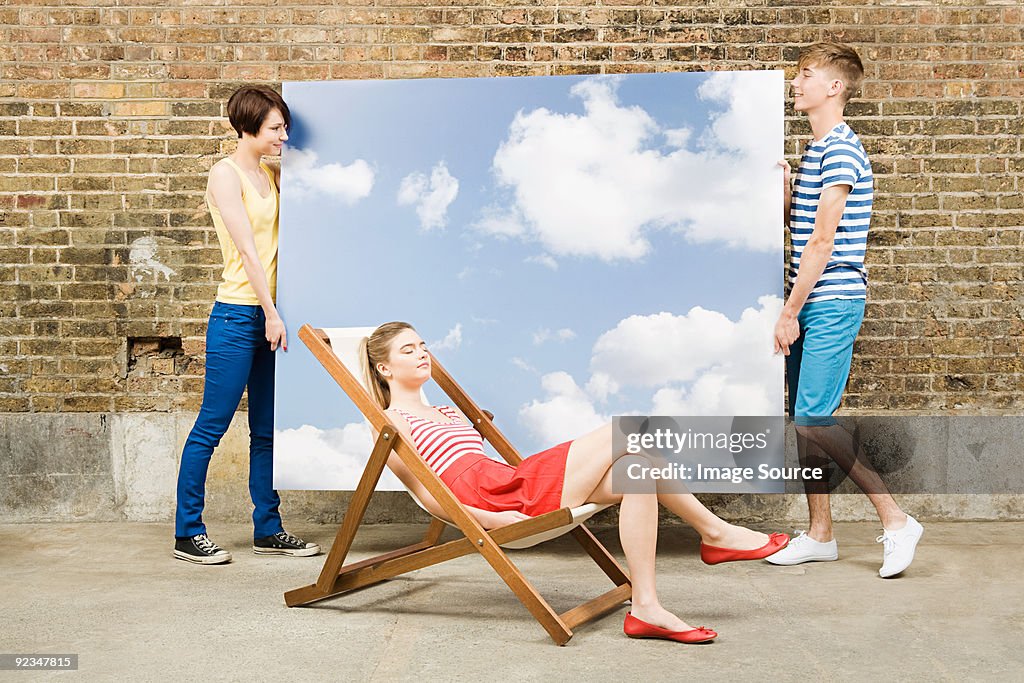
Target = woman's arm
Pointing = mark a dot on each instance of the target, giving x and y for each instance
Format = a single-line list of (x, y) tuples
[(226, 194), (485, 518)]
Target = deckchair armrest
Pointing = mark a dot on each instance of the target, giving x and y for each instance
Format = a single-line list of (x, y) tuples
[(531, 526)]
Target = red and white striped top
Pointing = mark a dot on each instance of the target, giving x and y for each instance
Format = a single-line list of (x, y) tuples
[(440, 444)]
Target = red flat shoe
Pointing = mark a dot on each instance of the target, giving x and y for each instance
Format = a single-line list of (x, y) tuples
[(712, 555), (635, 628)]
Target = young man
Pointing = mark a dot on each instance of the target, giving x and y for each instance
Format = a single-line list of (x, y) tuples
[(244, 331), (829, 211)]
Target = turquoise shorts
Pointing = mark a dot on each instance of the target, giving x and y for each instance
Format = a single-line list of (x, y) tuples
[(818, 364)]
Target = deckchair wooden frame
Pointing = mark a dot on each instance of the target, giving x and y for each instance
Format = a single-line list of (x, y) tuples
[(336, 577)]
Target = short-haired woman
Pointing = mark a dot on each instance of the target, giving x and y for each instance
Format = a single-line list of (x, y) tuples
[(244, 331)]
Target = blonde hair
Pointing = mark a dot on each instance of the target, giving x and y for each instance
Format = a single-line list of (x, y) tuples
[(376, 349), (842, 60)]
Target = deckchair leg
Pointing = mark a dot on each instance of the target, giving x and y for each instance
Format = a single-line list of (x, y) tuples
[(364, 573), (510, 574), (591, 609), (434, 531), (527, 594), (356, 509), (600, 555), (334, 565)]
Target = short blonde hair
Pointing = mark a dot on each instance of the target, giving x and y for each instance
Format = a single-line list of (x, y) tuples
[(842, 60)]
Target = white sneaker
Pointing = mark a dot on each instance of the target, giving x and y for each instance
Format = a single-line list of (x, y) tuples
[(898, 548), (803, 548)]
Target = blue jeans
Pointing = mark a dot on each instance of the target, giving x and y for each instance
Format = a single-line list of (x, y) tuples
[(818, 364), (237, 355)]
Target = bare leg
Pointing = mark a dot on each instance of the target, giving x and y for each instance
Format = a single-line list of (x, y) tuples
[(838, 444), (589, 459), (713, 529), (819, 508), (638, 533), (588, 478)]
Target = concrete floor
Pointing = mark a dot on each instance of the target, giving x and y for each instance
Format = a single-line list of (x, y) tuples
[(113, 594)]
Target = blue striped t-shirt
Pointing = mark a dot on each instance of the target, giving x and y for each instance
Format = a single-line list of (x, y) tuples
[(836, 159)]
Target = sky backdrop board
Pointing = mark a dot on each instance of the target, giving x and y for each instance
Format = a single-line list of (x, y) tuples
[(570, 247)]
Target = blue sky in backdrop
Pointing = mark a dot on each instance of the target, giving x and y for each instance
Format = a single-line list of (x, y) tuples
[(571, 248)]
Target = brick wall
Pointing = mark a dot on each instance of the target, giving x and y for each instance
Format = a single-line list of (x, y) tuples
[(111, 115)]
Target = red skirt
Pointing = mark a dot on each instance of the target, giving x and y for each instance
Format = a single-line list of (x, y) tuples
[(533, 488)]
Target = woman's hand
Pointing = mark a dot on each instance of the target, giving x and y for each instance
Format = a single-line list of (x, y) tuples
[(276, 333), (496, 520)]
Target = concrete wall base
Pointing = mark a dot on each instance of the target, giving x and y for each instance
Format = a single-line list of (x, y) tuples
[(62, 467)]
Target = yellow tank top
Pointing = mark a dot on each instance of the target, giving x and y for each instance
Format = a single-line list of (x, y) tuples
[(263, 217)]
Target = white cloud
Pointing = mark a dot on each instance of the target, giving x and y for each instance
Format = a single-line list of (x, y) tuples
[(677, 137), (431, 196), (543, 260), (544, 334), (601, 386), (451, 341), (742, 125), (701, 363), (716, 392), (565, 413), (499, 222), (596, 184), (305, 176), (522, 364), (309, 458)]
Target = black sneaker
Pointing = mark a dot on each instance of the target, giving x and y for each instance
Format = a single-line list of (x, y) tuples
[(283, 543), (201, 550)]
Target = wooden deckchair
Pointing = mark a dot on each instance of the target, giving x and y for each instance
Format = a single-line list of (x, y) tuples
[(336, 577)]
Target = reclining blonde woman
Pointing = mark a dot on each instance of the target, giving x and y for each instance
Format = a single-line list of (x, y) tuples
[(396, 364)]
